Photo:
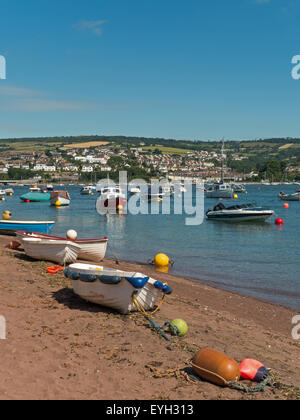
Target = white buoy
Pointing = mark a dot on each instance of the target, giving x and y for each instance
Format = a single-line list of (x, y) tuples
[(72, 234)]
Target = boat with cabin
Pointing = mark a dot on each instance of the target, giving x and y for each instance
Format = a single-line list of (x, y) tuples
[(60, 198), (289, 197)]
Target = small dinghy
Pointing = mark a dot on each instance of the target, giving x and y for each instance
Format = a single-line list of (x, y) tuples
[(9, 227), (289, 197), (114, 288), (90, 249), (61, 252)]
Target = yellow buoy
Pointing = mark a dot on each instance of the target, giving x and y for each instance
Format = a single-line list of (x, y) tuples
[(58, 203), (119, 208), (235, 196), (161, 260), (178, 327), (6, 215)]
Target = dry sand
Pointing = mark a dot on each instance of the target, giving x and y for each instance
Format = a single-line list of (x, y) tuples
[(60, 347)]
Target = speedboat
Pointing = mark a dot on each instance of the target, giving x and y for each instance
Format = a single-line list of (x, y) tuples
[(239, 213), (116, 289), (219, 190), (60, 198), (90, 249), (289, 197)]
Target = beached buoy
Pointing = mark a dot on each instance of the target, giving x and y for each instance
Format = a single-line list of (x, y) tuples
[(215, 367), (178, 327), (161, 260), (58, 203), (6, 215), (72, 234), (279, 221), (14, 245), (286, 205), (235, 196)]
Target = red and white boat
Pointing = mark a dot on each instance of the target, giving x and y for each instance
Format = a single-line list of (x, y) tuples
[(112, 198), (90, 249), (60, 198)]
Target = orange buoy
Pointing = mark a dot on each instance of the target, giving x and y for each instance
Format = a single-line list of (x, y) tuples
[(286, 205), (279, 221), (215, 367), (14, 245)]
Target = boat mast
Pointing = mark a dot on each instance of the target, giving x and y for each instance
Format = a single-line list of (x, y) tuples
[(222, 162)]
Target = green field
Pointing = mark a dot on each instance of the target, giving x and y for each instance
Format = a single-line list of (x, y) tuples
[(168, 150)]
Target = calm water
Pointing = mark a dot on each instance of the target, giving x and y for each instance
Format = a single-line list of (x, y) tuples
[(259, 260)]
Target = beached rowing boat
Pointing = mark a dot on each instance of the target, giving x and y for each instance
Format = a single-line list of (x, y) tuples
[(61, 252), (11, 226), (90, 249), (115, 288)]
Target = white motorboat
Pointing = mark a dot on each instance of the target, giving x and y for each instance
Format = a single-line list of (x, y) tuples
[(239, 188), (9, 191), (60, 198), (289, 197), (116, 289), (88, 190), (34, 189), (134, 190), (90, 249), (219, 191), (239, 213), (61, 252)]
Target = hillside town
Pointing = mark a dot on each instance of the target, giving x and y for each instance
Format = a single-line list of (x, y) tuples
[(75, 162)]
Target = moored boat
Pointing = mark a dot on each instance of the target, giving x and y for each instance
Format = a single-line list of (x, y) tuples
[(90, 249), (35, 197), (61, 252), (220, 191), (111, 198), (87, 190), (11, 226), (239, 213), (115, 289), (289, 197), (60, 198)]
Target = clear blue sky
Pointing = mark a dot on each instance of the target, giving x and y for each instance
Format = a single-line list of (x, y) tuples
[(193, 69)]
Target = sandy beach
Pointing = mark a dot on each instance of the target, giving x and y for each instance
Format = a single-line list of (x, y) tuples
[(60, 347)]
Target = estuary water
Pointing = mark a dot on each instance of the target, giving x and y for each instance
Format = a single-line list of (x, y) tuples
[(254, 259)]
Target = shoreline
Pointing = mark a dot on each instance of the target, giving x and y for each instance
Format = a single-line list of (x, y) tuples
[(59, 346)]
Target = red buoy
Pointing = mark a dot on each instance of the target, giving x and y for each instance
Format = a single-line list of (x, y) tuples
[(27, 201), (286, 205), (279, 221)]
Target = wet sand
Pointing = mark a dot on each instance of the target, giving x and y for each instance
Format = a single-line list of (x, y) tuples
[(60, 347)]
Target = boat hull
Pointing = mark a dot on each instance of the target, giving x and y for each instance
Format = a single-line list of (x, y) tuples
[(90, 249), (11, 227), (60, 252), (219, 194), (35, 197), (235, 217), (289, 197), (114, 288)]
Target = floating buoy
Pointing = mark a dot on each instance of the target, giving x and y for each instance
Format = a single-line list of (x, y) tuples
[(286, 205), (10, 194), (279, 221), (58, 203), (178, 327), (27, 201), (6, 215), (119, 208), (215, 367), (72, 234), (235, 196), (161, 260)]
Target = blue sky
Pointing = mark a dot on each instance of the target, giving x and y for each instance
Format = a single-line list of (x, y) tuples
[(193, 69)]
